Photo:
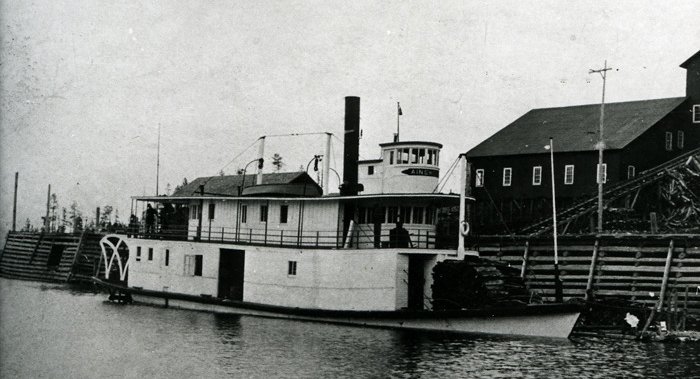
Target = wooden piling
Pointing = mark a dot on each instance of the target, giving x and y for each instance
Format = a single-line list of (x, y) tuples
[(525, 256), (591, 271), (667, 270)]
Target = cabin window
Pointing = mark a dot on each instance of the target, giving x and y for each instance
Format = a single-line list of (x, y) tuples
[(421, 156), (370, 170), (669, 141), (680, 139), (284, 212), (138, 253), (263, 213), (630, 172), (291, 268), (437, 158), (417, 215), (696, 114), (194, 212), (430, 156), (430, 216), (167, 257), (569, 174), (392, 214), (479, 180), (602, 173), (193, 265), (405, 155), (398, 156), (405, 215), (391, 157), (414, 155), (244, 214), (211, 211), (536, 175), (507, 176), (150, 253)]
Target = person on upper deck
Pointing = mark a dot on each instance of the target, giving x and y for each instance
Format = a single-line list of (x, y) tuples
[(151, 215), (399, 237)]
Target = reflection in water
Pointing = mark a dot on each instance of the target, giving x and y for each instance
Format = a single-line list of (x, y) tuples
[(47, 331)]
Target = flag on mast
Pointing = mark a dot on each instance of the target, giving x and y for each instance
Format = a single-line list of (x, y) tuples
[(399, 106)]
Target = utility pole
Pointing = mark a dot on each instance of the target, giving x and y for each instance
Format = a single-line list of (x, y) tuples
[(14, 204), (601, 146), (48, 204), (158, 161)]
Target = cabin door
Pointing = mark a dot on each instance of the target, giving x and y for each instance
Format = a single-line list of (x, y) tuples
[(231, 269), (416, 281)]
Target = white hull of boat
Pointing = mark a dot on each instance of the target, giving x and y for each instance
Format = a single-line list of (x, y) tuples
[(542, 324)]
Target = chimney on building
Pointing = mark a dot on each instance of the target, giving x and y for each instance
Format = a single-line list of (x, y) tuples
[(692, 81)]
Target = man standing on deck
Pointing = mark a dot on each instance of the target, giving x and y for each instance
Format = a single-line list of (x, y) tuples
[(150, 221), (399, 237)]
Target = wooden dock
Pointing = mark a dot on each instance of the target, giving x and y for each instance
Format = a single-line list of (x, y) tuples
[(50, 257), (661, 271)]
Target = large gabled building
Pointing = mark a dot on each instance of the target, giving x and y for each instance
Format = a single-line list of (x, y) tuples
[(511, 174)]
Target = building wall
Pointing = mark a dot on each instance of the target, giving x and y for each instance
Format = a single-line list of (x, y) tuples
[(649, 149), (585, 166)]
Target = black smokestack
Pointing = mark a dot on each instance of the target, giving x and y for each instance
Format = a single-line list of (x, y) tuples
[(352, 146)]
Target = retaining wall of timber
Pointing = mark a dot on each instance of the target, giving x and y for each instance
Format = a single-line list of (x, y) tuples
[(49, 257), (650, 269)]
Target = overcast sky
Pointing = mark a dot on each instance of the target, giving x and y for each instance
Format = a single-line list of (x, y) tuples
[(85, 84)]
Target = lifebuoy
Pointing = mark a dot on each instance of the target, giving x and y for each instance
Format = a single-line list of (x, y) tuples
[(464, 228)]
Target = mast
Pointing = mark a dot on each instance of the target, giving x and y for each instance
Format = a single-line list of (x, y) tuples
[(327, 165)]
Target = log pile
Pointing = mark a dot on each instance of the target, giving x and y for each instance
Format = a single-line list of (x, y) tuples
[(475, 283)]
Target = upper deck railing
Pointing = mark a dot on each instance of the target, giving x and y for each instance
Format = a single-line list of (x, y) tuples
[(363, 237)]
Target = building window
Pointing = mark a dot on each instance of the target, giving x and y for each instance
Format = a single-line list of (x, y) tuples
[(696, 114), (669, 141), (417, 215), (291, 267), (680, 140), (370, 170), (391, 157), (167, 257), (244, 214), (630, 172), (507, 176), (194, 214), (193, 265), (263, 213), (603, 174), (284, 211), (138, 253), (536, 175), (479, 180), (211, 211), (569, 174), (150, 253)]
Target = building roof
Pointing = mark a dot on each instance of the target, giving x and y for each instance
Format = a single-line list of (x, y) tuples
[(227, 185), (687, 61), (575, 128)]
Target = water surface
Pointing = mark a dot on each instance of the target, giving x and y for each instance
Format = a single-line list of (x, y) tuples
[(48, 331)]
